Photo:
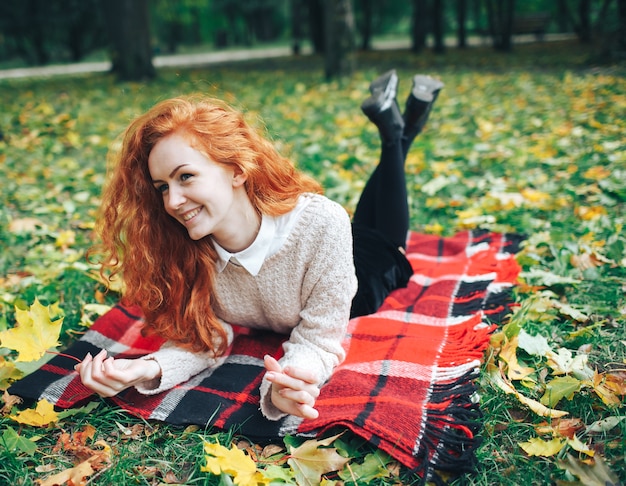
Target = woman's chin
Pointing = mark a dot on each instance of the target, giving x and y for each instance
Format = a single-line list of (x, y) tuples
[(196, 234)]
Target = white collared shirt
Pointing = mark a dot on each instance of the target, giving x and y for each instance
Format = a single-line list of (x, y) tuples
[(272, 235)]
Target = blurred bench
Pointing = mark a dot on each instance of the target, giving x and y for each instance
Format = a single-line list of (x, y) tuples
[(531, 23), (534, 23)]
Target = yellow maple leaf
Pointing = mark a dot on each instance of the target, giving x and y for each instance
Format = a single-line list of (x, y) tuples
[(588, 213), (496, 376), (8, 373), (539, 447), (41, 416), (36, 331), (65, 239), (597, 173), (313, 459), (515, 371), (604, 391), (235, 462), (536, 198)]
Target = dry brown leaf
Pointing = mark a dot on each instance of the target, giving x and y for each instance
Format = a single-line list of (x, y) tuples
[(271, 450), (562, 427), (76, 444), (76, 476), (616, 381), (9, 402), (171, 478), (45, 468)]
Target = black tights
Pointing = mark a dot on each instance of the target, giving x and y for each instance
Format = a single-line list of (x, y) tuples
[(383, 204)]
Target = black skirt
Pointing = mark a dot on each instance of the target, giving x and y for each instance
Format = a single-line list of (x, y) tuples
[(380, 268)]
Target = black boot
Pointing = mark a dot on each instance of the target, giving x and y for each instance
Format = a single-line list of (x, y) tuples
[(382, 108), (419, 103), (383, 81)]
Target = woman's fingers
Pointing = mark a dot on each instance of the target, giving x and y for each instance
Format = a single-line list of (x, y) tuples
[(294, 390), (98, 373), (271, 364), (295, 379)]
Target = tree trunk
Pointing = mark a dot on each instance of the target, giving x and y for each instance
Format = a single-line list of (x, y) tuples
[(438, 27), (500, 14), (317, 25), (564, 17), (128, 25), (621, 31), (419, 28), (584, 14), (296, 26), (601, 19), (339, 34), (366, 27), (461, 17)]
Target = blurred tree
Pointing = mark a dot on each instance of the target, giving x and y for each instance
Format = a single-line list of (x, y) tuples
[(172, 20), (128, 24), (317, 25), (420, 22), (84, 27), (500, 15), (621, 36), (579, 16), (461, 19), (297, 25), (365, 26), (339, 38), (250, 21), (39, 31), (439, 26)]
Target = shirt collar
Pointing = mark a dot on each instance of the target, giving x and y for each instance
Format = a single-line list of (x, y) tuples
[(251, 258)]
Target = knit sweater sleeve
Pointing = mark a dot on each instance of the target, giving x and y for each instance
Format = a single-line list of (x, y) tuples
[(178, 365), (329, 285)]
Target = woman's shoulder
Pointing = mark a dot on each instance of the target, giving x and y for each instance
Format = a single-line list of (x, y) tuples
[(319, 216), (320, 207)]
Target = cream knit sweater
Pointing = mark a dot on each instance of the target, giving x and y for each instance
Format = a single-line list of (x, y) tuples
[(304, 290)]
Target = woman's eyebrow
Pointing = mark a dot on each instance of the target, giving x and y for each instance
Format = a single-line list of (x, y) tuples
[(176, 169)]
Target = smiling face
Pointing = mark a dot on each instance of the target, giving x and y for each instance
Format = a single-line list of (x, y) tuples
[(206, 197)]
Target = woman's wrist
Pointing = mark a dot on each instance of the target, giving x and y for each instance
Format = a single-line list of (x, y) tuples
[(153, 370)]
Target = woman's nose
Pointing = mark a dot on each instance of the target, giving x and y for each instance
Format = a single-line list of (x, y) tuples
[(175, 199)]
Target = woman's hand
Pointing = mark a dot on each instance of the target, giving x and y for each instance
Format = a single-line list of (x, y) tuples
[(108, 376), (294, 390)]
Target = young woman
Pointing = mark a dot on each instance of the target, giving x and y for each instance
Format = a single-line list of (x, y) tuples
[(211, 228)]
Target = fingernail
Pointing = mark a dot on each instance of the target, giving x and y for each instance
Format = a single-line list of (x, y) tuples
[(270, 375)]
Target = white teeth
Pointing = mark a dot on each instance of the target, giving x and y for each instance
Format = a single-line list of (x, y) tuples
[(191, 214)]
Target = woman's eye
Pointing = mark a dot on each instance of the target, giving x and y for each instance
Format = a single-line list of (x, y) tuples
[(184, 177), (162, 188)]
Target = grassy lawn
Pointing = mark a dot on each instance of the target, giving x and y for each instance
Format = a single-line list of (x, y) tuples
[(531, 143)]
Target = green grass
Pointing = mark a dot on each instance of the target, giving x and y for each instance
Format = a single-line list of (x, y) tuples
[(531, 142)]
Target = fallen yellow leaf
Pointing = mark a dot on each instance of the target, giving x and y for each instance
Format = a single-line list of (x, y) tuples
[(539, 447), (36, 331), (41, 416), (498, 380), (310, 461), (235, 462)]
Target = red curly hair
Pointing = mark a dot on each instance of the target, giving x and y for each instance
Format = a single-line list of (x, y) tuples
[(165, 272)]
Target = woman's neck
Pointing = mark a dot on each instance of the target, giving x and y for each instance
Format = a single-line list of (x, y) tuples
[(243, 230)]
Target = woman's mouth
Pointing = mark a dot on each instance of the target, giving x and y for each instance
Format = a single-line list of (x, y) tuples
[(188, 216)]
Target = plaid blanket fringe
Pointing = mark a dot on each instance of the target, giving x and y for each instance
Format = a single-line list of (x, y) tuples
[(406, 386)]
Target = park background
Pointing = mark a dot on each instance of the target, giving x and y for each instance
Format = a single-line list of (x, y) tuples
[(527, 136)]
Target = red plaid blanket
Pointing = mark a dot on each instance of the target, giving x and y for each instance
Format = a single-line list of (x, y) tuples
[(406, 384)]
